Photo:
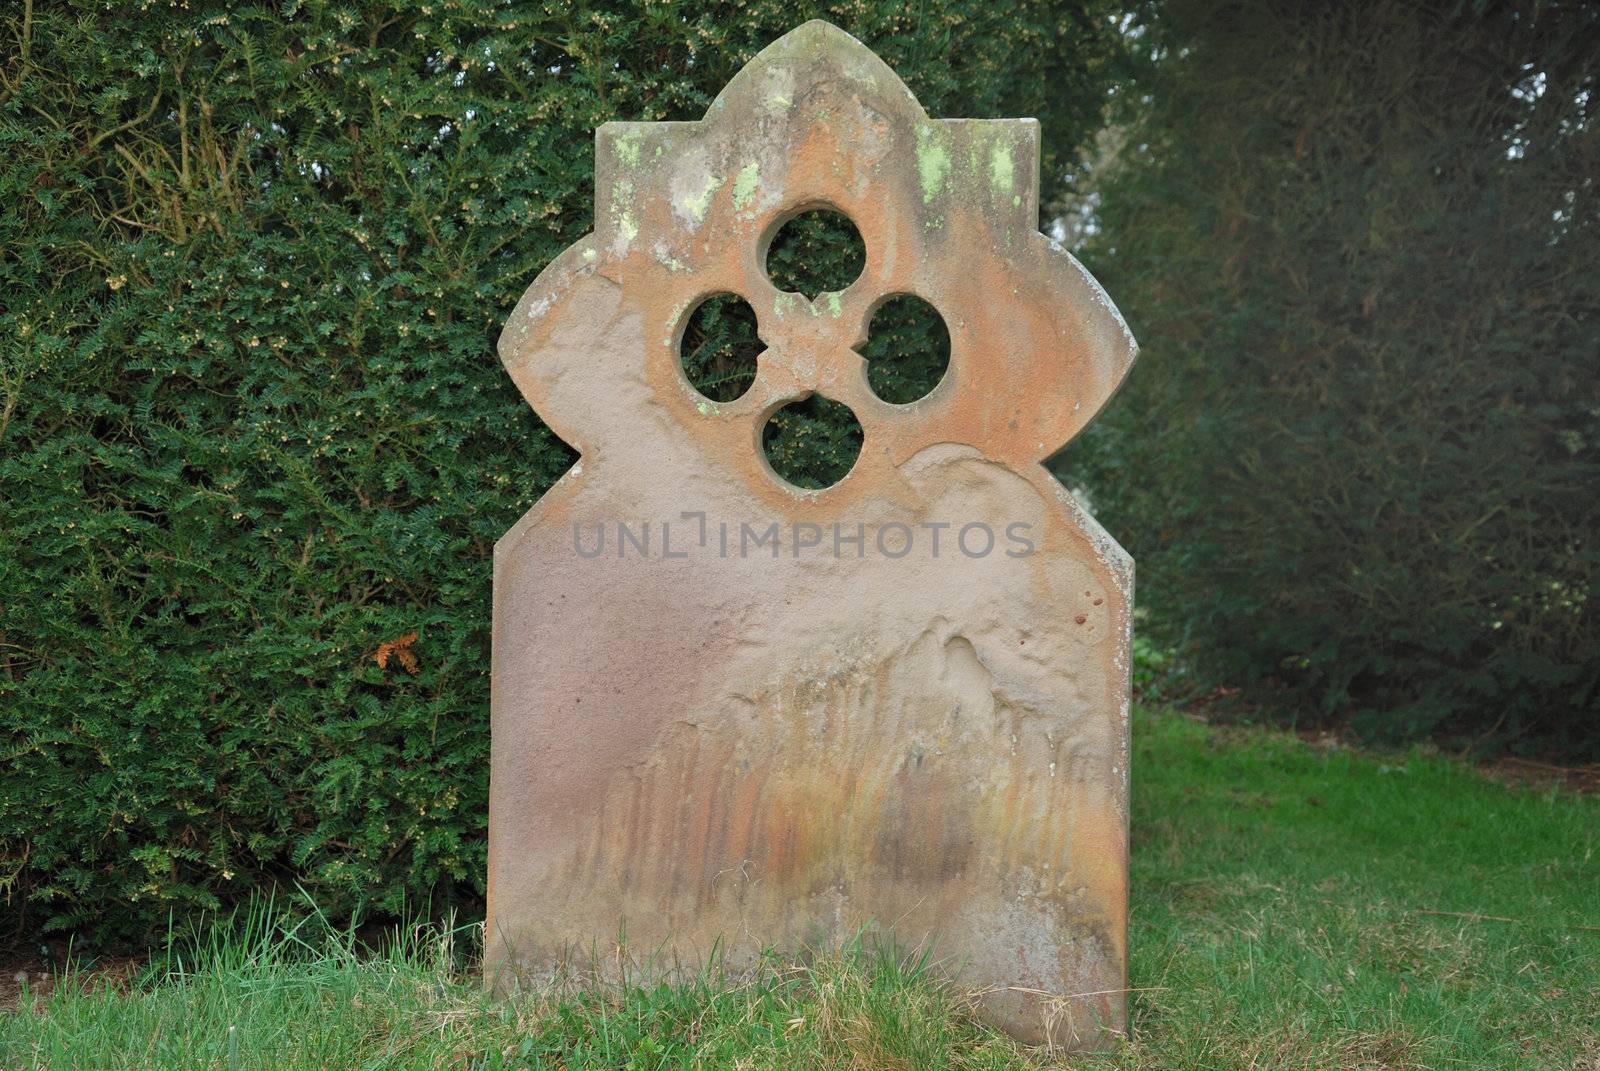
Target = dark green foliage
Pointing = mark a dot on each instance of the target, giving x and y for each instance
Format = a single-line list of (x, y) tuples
[(253, 432), (1360, 456), (812, 443), (815, 253), (720, 347), (907, 349)]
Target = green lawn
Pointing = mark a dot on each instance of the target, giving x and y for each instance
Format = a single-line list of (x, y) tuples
[(1293, 908)]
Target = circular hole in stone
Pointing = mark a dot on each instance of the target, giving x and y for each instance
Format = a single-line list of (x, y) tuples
[(812, 443), (719, 347), (816, 252), (907, 350)]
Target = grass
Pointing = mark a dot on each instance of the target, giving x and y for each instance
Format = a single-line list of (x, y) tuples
[(1293, 907)]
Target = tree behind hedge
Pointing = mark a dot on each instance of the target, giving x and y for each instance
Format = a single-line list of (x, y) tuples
[(255, 444), (1359, 459)]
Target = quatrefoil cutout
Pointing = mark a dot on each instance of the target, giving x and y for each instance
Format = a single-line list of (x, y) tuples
[(907, 351), (947, 210)]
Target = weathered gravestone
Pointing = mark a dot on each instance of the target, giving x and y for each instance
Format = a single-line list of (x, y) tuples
[(732, 714)]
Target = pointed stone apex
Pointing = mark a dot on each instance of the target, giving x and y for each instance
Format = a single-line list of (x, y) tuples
[(815, 53)]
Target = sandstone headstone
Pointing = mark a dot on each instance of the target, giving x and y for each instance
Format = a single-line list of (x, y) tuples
[(732, 714)]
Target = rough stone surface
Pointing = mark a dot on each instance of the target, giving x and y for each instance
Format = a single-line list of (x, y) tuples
[(701, 748)]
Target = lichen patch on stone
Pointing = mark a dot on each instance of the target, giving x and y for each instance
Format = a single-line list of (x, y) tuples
[(745, 184), (933, 159)]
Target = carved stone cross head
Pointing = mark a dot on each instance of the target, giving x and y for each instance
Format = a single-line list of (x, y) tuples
[(732, 712)]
